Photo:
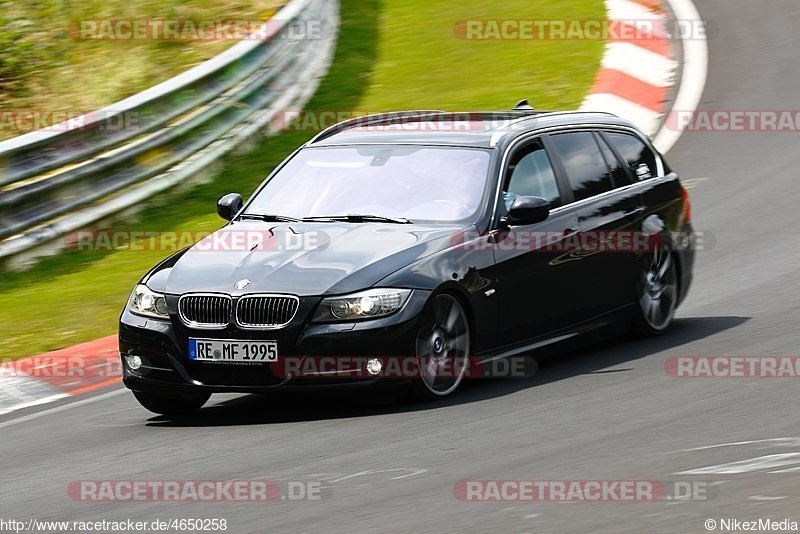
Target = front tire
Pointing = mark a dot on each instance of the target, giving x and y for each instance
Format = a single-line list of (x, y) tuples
[(442, 348), (171, 403), (657, 291)]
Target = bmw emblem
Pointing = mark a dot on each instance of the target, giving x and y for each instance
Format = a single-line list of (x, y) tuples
[(241, 284)]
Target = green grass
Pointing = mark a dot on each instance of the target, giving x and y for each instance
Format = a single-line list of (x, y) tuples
[(392, 55), (422, 64), (44, 65)]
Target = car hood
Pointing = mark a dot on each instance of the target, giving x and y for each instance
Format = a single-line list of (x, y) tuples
[(300, 258)]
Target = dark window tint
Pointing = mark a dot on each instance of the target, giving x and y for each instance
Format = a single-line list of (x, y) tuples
[(618, 173), (531, 174), (636, 154), (585, 166)]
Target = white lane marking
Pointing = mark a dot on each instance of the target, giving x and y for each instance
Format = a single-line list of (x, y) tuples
[(62, 408), (644, 118), (747, 466), (693, 77), (790, 470), (781, 442), (640, 63), (36, 402), (766, 498), (414, 471), (18, 392)]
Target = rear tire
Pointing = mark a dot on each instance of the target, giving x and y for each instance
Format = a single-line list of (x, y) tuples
[(656, 290), (442, 348), (171, 403)]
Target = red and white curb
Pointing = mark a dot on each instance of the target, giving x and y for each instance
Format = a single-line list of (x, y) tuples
[(58, 374), (636, 74)]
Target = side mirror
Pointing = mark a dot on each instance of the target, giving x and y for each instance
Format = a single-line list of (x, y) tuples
[(229, 205), (527, 210)]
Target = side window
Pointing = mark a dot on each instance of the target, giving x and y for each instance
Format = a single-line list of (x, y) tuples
[(618, 173), (531, 174), (636, 154), (584, 164)]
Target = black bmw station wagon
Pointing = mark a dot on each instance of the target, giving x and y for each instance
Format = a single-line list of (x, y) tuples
[(446, 240)]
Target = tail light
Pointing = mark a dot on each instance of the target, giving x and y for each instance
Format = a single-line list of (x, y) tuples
[(687, 205)]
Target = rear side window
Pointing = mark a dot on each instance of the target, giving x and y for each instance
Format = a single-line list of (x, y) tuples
[(583, 163), (618, 173), (637, 155)]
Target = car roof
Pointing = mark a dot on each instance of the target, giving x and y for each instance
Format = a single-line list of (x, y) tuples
[(480, 129)]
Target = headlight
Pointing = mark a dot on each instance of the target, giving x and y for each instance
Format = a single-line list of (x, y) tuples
[(145, 302), (364, 305)]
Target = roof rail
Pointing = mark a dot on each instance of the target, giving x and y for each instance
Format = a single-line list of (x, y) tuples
[(499, 132), (368, 120)]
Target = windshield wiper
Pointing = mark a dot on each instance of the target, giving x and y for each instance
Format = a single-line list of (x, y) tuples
[(268, 217), (355, 218)]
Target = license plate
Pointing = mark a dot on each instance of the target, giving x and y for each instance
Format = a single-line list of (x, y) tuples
[(226, 350)]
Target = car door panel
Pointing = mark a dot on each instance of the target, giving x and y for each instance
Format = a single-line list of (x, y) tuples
[(536, 294), (533, 287), (607, 218)]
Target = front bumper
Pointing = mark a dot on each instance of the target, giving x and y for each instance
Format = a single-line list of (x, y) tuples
[(163, 348)]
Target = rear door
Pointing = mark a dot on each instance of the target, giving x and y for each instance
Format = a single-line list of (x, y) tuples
[(609, 211)]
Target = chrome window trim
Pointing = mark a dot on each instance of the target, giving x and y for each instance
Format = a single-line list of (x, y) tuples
[(572, 128), (261, 295), (204, 326)]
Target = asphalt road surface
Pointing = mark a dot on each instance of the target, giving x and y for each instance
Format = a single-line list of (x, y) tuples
[(609, 413)]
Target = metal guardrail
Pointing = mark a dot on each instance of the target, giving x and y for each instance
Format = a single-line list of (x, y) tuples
[(56, 181)]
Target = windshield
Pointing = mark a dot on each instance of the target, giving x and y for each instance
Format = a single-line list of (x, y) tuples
[(410, 182)]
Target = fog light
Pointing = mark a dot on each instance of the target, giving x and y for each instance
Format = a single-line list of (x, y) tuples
[(134, 362), (374, 366)]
